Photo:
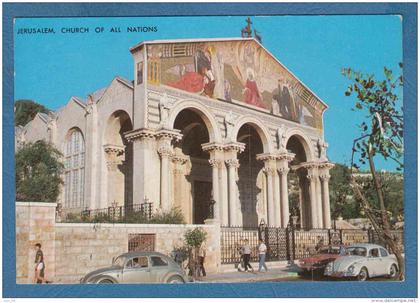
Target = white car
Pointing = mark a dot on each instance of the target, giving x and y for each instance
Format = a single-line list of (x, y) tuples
[(363, 261)]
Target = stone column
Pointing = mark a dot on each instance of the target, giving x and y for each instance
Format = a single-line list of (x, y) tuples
[(271, 210), (233, 165), (219, 184), (283, 169), (231, 151), (273, 188), (312, 177), (224, 195), (179, 172), (319, 202), (277, 199), (165, 150), (114, 158), (325, 177)]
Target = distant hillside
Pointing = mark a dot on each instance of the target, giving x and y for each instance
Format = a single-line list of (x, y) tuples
[(26, 110)]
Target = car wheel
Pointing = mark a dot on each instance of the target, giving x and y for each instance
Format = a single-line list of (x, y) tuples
[(175, 280), (105, 281), (393, 272), (363, 274)]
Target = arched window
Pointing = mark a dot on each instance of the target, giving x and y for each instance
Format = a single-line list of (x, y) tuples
[(74, 182)]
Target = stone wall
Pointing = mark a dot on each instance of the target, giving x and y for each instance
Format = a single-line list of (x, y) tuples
[(73, 249), (35, 223)]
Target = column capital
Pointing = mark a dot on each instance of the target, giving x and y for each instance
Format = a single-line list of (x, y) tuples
[(234, 146), (179, 159), (269, 171), (325, 177), (266, 157), (114, 156), (326, 165), (168, 134), (232, 163), (165, 151), (216, 163), (285, 156), (283, 170), (212, 146), (140, 134)]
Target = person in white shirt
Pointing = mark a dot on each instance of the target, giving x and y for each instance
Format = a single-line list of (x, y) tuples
[(262, 250)]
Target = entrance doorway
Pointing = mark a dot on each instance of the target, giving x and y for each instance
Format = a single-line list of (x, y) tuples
[(202, 196)]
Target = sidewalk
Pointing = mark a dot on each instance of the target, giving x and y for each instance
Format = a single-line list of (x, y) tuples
[(275, 272)]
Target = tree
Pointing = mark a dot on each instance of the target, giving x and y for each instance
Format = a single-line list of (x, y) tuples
[(193, 240), (38, 172), (26, 110), (381, 135)]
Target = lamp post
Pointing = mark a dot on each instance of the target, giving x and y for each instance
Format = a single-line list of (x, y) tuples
[(261, 229), (212, 202)]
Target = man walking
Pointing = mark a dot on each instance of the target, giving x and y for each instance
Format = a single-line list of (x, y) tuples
[(201, 257), (262, 250), (246, 254), (39, 265)]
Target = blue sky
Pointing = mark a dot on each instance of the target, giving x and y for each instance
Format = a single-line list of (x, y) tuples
[(51, 68)]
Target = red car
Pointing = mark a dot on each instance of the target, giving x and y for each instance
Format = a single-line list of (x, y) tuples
[(315, 265)]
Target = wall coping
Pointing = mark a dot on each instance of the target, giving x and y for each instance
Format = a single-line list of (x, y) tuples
[(42, 204), (132, 225)]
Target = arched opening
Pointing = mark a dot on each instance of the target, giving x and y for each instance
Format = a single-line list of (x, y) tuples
[(298, 183), (74, 169), (194, 190), (251, 181), (119, 157)]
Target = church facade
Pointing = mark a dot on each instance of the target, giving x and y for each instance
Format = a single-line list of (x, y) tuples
[(203, 120)]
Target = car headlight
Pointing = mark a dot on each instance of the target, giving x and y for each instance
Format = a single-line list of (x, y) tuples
[(350, 270)]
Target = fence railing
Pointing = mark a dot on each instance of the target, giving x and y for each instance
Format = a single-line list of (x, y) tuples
[(135, 213), (285, 244)]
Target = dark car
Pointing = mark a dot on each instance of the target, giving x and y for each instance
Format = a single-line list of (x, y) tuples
[(138, 267), (315, 264)]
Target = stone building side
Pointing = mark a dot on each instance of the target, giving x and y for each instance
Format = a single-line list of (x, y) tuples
[(71, 250), (35, 223)]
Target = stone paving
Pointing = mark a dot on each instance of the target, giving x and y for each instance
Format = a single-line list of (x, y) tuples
[(236, 276)]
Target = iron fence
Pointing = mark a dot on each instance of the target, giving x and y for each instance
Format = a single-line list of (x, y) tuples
[(286, 244), (135, 213)]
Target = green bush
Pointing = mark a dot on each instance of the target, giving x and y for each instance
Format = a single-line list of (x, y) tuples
[(174, 216), (194, 238)]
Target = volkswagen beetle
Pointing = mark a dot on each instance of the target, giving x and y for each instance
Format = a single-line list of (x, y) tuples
[(363, 261), (138, 267)]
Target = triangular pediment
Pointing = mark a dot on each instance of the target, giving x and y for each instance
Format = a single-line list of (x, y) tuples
[(234, 70)]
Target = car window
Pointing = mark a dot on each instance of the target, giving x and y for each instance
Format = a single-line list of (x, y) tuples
[(137, 262), (384, 253), (158, 261), (374, 252), (356, 251)]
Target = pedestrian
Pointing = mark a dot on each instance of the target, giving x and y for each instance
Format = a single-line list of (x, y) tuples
[(246, 254), (319, 244), (262, 250), (201, 258), (39, 265)]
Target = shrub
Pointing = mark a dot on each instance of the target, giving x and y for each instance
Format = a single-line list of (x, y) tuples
[(174, 216)]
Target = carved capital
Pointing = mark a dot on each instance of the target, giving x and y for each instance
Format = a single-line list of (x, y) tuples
[(269, 171), (325, 177), (216, 163), (312, 177), (283, 170), (179, 159), (266, 157), (234, 146), (232, 163), (168, 134), (165, 151), (139, 134)]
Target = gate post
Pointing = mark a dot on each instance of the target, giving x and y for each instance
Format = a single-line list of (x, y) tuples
[(329, 236), (266, 240), (288, 244), (341, 236)]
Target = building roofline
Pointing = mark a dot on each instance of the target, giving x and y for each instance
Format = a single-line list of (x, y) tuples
[(148, 42)]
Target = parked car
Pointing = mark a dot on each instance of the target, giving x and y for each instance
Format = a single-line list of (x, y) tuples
[(363, 261), (315, 265), (138, 267)]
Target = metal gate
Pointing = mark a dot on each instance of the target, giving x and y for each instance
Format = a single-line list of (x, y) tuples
[(141, 242)]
